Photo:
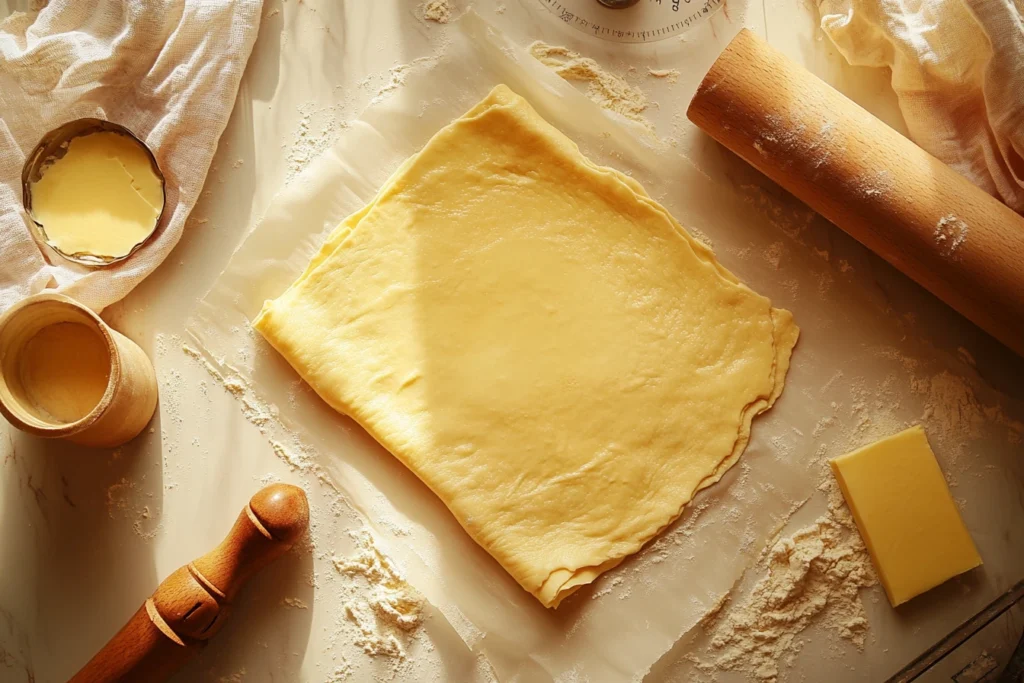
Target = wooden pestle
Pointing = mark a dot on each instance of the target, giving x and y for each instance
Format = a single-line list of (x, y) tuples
[(902, 203), (189, 607)]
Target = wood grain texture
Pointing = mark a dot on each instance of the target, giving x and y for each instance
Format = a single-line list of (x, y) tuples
[(126, 407), (190, 606), (902, 203)]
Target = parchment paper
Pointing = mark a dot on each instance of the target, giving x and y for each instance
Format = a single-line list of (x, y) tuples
[(616, 629)]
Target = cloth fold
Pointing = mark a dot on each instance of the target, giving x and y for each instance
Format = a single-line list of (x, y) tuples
[(958, 71), (168, 70)]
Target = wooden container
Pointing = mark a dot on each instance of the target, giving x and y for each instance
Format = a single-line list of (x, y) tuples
[(123, 408)]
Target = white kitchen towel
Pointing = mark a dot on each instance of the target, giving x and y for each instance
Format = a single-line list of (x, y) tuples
[(168, 70), (958, 71)]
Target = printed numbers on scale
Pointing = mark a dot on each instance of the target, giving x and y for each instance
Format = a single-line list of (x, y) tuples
[(675, 4)]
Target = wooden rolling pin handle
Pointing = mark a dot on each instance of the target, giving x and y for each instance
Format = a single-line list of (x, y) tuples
[(899, 201), (189, 607)]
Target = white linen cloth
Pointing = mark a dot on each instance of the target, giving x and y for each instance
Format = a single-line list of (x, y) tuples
[(168, 70), (958, 71)]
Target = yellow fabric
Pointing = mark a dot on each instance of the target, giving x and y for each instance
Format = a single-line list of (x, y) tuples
[(101, 198), (905, 513), (538, 340)]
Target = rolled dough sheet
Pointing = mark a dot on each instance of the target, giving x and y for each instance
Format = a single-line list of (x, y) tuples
[(539, 341)]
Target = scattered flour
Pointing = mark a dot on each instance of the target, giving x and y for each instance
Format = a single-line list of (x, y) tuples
[(340, 673), (670, 75), (256, 414), (297, 461), (815, 575), (119, 495), (875, 184), (439, 11), (707, 622), (608, 587), (611, 92), (294, 603), (298, 458), (773, 254), (791, 217), (317, 130), (954, 414), (950, 234), (397, 75), (388, 609), (122, 501)]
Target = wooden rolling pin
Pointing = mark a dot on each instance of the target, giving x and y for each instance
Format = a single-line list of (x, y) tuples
[(964, 246), (189, 607)]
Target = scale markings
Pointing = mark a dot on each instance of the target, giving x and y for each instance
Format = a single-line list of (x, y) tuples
[(576, 14)]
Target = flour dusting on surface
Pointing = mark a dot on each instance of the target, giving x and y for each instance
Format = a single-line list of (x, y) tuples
[(294, 603), (397, 75), (439, 11), (954, 414), (670, 75), (317, 130), (255, 413), (813, 576), (609, 91), (340, 673), (388, 609), (298, 457)]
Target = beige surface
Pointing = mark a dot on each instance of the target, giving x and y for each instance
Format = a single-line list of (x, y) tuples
[(101, 198), (910, 524), (539, 341), (94, 531)]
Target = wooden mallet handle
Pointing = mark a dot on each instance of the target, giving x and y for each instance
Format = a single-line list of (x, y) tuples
[(189, 607), (921, 216)]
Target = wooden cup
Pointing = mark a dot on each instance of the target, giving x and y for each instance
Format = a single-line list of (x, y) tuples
[(127, 404)]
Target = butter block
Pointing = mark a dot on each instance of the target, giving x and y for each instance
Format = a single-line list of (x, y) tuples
[(905, 514), (102, 198)]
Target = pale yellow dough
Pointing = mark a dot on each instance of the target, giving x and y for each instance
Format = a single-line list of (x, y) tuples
[(539, 341)]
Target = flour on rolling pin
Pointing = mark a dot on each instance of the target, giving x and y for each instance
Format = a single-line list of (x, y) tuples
[(95, 192), (870, 181), (950, 234)]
